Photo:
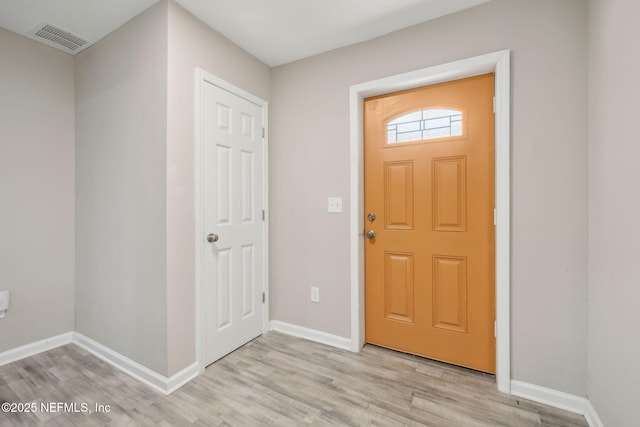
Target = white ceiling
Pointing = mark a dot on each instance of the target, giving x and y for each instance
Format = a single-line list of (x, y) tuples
[(275, 31), (87, 19)]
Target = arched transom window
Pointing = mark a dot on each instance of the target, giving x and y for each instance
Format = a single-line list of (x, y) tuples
[(425, 124)]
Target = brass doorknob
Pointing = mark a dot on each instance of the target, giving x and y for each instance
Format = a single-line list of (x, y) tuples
[(371, 234), (212, 238)]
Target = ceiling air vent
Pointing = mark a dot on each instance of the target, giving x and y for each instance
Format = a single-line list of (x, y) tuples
[(58, 38)]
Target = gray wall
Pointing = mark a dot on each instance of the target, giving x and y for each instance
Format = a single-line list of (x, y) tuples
[(121, 122), (134, 208), (614, 209), (309, 162), (192, 44), (36, 190), (135, 192)]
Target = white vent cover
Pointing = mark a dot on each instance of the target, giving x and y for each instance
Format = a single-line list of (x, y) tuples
[(59, 38)]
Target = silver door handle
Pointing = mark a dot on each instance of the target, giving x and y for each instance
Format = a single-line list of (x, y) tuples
[(371, 234), (212, 238)]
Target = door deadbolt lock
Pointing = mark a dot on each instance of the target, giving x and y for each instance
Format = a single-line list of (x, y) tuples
[(371, 234), (212, 238), (371, 217)]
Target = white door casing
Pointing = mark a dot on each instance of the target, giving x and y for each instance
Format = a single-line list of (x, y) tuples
[(232, 193)]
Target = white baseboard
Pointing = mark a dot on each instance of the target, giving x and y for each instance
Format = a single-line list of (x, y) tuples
[(154, 380), (592, 416), (34, 348), (176, 381), (310, 334), (557, 399), (143, 374)]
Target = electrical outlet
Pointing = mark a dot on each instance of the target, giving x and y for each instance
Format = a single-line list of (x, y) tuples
[(315, 294)]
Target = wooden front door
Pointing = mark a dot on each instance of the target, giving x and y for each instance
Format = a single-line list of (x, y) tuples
[(429, 231)]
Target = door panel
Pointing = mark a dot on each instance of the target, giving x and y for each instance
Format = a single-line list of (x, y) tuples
[(449, 183), (398, 195), (223, 283), (232, 205), (248, 281), (248, 187), (429, 179), (450, 293), (399, 283)]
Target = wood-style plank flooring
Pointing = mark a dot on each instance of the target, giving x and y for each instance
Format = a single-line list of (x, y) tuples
[(275, 380)]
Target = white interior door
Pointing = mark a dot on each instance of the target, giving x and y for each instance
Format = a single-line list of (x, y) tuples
[(233, 241)]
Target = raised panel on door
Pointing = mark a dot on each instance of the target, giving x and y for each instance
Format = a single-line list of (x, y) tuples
[(449, 194), (450, 293), (247, 122), (224, 288), (223, 117), (399, 286), (248, 280), (224, 182), (248, 187), (398, 195)]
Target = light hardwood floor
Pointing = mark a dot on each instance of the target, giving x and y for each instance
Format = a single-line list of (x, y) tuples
[(275, 380)]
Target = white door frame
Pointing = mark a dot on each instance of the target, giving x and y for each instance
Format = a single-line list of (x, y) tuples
[(202, 78), (498, 62)]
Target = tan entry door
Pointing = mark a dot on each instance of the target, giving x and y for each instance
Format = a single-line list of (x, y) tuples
[(429, 201)]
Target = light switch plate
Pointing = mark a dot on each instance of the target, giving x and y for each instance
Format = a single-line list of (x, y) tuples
[(335, 205)]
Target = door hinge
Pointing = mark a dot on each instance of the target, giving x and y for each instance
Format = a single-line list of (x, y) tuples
[(263, 214), (264, 298), (263, 131), (495, 328), (494, 106), (495, 217)]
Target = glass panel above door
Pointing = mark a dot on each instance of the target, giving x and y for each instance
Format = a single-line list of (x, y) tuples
[(434, 123)]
